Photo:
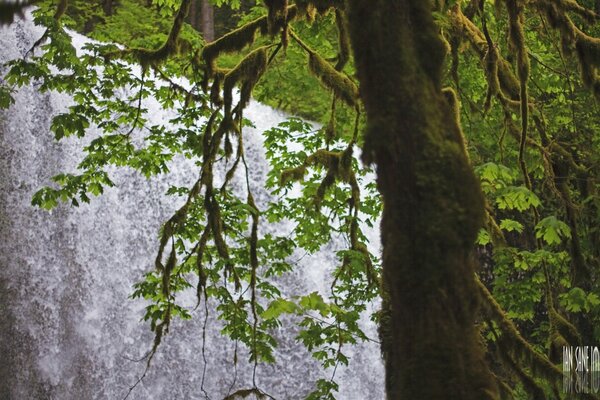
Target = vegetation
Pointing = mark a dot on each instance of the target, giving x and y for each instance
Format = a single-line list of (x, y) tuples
[(480, 118)]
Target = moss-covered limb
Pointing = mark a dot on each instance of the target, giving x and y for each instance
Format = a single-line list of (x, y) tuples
[(61, 7), (338, 83), (238, 157), (554, 148), (496, 234), (278, 19), (247, 72), (490, 62), (566, 329), (548, 150), (338, 163), (238, 39), (341, 85), (454, 105), (148, 57), (529, 384), (433, 206), (516, 344), (588, 52), (169, 268), (172, 225), (572, 6), (234, 41), (517, 40), (507, 80), (586, 47), (505, 391)]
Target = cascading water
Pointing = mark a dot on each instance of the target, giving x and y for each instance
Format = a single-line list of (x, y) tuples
[(67, 327)]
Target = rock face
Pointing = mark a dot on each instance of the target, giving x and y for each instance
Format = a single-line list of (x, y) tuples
[(67, 327)]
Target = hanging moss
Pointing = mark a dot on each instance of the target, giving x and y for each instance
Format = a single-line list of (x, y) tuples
[(586, 47), (248, 72), (238, 39), (234, 41), (588, 52), (508, 82), (490, 63), (338, 83), (215, 90), (278, 18), (517, 40), (343, 41)]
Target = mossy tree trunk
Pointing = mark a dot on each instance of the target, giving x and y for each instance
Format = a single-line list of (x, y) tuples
[(433, 207)]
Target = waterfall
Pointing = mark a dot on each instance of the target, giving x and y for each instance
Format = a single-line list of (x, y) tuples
[(67, 327)]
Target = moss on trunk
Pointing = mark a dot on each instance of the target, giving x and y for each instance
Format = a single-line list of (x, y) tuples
[(433, 205)]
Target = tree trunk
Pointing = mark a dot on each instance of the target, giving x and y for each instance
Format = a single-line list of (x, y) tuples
[(433, 206), (192, 17), (208, 21)]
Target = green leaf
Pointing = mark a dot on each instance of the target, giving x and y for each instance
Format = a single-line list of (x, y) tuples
[(552, 230), (483, 237), (510, 225), (278, 307), (517, 198), (314, 301)]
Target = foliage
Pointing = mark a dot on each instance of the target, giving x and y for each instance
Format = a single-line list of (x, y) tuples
[(540, 247)]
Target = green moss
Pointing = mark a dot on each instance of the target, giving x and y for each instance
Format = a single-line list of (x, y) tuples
[(338, 83), (234, 41), (247, 73)]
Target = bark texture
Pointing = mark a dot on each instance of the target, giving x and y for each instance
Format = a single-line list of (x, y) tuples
[(433, 206)]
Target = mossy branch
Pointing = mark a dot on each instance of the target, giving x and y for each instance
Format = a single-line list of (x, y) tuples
[(154, 57), (587, 48), (343, 40), (238, 39), (278, 18), (342, 86), (247, 72), (516, 344)]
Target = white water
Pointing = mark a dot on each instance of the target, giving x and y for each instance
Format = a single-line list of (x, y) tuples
[(67, 327)]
